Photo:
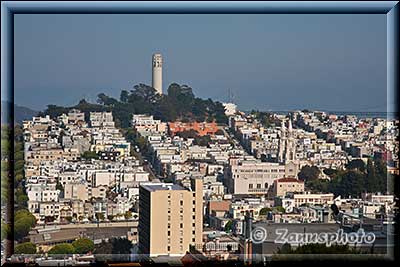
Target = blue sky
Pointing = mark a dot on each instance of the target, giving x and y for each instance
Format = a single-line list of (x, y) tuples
[(269, 61)]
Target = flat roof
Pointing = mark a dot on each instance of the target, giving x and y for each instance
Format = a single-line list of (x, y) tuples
[(162, 186)]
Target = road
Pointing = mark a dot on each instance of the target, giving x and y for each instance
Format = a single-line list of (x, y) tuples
[(146, 165)]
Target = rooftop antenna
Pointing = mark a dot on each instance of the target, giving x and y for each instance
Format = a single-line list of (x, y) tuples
[(230, 96)]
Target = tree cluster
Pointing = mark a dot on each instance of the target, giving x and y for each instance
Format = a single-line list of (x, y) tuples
[(115, 245), (265, 118), (356, 179), (309, 173), (24, 221), (79, 246), (179, 104)]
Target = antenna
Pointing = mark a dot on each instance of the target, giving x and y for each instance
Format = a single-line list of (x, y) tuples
[(230, 96)]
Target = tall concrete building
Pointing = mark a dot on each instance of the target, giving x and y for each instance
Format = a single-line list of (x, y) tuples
[(157, 72), (170, 218)]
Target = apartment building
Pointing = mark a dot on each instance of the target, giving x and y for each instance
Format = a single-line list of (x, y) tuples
[(286, 185), (253, 176), (312, 199), (171, 218), (101, 119), (147, 125)]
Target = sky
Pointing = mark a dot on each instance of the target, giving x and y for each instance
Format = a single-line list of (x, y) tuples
[(268, 61)]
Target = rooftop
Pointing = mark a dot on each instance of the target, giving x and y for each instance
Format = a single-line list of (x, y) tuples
[(162, 186)]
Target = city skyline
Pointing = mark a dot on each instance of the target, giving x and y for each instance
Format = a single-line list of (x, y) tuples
[(339, 54)]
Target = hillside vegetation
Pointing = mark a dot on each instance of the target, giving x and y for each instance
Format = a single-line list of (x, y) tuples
[(178, 104)]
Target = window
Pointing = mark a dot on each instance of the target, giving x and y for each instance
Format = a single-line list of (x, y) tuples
[(181, 225), (266, 185), (258, 186), (169, 233), (181, 202), (250, 186), (168, 248)]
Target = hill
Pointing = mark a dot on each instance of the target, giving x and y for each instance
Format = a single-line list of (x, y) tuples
[(178, 104), (20, 113)]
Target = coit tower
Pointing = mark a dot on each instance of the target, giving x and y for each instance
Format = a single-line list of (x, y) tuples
[(157, 72)]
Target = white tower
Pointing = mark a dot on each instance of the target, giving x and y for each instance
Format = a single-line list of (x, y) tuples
[(157, 73)]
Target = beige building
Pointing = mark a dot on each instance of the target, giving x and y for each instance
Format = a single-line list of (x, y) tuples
[(38, 155), (76, 191), (170, 218), (146, 124), (286, 185), (255, 177), (312, 199)]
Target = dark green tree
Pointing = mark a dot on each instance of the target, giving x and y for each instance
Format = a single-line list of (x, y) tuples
[(309, 173), (356, 164), (25, 248), (121, 246), (83, 245), (62, 249)]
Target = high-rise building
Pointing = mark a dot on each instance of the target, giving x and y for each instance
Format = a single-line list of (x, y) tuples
[(170, 218), (157, 72)]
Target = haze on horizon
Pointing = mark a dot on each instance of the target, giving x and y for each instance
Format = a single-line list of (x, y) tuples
[(269, 62)]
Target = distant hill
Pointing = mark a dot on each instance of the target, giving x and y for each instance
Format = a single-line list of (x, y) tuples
[(20, 113)]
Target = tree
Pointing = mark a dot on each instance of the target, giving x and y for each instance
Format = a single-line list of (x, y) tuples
[(25, 248), (381, 175), (280, 209), (330, 172), (62, 249), (372, 180), (128, 214), (121, 246), (356, 164), (83, 245), (23, 222), (124, 96), (285, 249), (90, 155), (309, 173), (265, 210), (99, 216), (352, 183), (21, 229), (322, 249), (5, 229), (103, 248), (22, 200), (228, 226), (335, 209)]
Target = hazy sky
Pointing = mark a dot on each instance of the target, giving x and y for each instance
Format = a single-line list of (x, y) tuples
[(277, 62)]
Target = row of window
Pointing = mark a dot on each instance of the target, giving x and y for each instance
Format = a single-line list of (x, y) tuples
[(258, 186)]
